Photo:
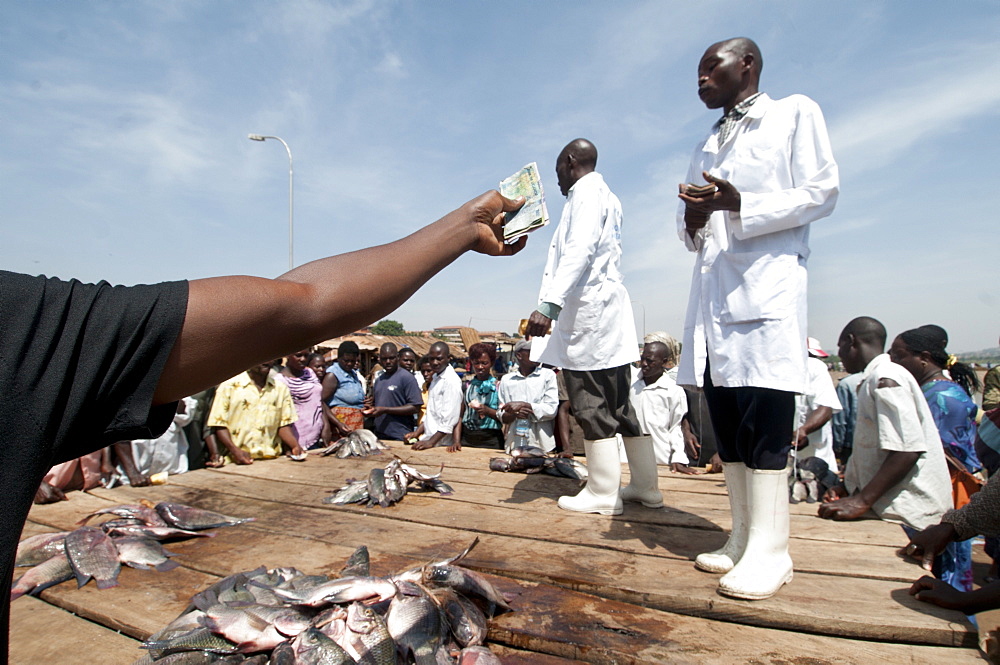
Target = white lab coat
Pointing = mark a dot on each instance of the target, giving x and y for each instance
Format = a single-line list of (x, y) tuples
[(747, 310), (595, 329)]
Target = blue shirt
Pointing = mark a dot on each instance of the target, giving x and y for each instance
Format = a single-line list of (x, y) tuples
[(396, 389), (350, 392)]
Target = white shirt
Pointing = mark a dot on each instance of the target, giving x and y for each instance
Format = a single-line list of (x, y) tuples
[(898, 419), (821, 393), (444, 403), (595, 329), (747, 310), (541, 391), (168, 452), (660, 407)]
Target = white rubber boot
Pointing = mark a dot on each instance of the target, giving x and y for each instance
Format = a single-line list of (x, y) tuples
[(723, 560), (765, 565), (604, 469), (643, 480)]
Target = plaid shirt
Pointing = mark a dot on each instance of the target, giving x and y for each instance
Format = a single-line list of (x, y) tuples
[(727, 123)]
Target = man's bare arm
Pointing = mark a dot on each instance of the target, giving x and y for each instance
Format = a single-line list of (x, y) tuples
[(235, 322)]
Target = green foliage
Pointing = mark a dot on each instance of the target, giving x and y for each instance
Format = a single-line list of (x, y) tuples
[(388, 327)]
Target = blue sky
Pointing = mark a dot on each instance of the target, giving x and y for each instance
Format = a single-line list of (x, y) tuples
[(124, 152)]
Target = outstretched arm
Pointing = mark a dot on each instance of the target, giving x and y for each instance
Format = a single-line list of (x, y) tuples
[(274, 317)]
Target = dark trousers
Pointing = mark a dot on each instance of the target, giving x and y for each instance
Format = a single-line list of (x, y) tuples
[(600, 401), (752, 425)]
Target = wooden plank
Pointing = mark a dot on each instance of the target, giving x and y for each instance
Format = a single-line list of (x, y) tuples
[(548, 619), (649, 531), (596, 630), (43, 633), (881, 610), (710, 511)]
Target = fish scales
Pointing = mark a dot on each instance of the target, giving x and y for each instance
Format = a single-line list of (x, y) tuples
[(93, 555), (48, 573), (37, 549), (368, 639)]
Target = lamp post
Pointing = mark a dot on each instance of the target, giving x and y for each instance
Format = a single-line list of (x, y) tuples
[(636, 302), (291, 232)]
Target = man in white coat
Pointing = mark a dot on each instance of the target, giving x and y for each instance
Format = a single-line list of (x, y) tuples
[(593, 337), (770, 173)]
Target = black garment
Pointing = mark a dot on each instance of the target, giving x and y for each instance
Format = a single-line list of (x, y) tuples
[(600, 401), (79, 364), (752, 425)]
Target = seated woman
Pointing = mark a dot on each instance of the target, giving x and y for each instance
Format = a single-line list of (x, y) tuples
[(480, 424), (344, 392), (312, 428), (922, 352)]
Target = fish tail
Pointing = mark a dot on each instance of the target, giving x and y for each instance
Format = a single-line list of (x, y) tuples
[(106, 584), (166, 565)]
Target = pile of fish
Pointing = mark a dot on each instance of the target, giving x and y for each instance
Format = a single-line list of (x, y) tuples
[(531, 459), (359, 443), (387, 486), (434, 614), (132, 537)]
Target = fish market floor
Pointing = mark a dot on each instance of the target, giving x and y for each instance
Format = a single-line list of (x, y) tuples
[(585, 588)]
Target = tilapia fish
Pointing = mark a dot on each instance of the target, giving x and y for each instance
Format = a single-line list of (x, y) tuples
[(143, 553), (36, 549), (414, 622), (368, 638), (93, 555), (312, 647), (116, 529), (343, 590), (144, 513), (358, 565), (467, 582), (467, 622), (195, 519), (54, 570), (198, 639), (354, 492)]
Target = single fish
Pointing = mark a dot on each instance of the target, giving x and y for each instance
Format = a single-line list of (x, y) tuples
[(154, 532), (353, 492), (195, 519), (248, 630), (93, 555), (37, 549), (467, 582), (198, 639), (181, 658), (283, 654), (569, 468), (466, 620), (343, 590), (376, 488), (478, 656), (358, 564), (417, 475), (312, 647), (144, 553), (437, 485), (414, 622), (368, 638), (528, 451), (500, 464), (52, 571), (144, 513)]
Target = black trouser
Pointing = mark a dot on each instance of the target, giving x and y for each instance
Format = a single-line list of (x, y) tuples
[(600, 401), (752, 425)]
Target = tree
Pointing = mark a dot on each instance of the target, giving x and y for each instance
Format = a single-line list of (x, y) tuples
[(388, 327)]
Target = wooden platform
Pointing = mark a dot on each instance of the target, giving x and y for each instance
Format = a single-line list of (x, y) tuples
[(589, 588)]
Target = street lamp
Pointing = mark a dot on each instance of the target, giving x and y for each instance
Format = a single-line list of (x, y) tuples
[(291, 233), (636, 302)]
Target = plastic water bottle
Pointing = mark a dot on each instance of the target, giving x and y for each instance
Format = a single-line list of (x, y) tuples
[(521, 428)]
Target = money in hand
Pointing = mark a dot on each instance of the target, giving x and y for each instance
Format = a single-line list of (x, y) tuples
[(533, 214)]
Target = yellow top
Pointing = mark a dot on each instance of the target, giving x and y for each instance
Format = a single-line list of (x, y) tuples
[(253, 415)]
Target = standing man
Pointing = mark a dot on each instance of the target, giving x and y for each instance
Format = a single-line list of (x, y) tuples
[(444, 402), (395, 398), (593, 336), (770, 173)]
